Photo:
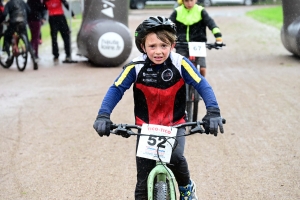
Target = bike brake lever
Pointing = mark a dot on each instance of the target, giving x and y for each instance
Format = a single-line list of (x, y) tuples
[(197, 129)]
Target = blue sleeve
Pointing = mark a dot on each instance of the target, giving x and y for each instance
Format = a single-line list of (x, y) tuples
[(117, 90), (193, 77)]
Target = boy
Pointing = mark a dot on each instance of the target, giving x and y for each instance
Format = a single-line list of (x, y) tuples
[(159, 77), (191, 21)]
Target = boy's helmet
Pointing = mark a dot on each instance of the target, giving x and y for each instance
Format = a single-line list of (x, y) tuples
[(155, 22)]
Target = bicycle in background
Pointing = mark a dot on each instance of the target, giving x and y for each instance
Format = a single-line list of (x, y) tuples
[(18, 50), (196, 49)]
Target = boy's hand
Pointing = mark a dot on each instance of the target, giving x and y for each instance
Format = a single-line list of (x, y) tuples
[(219, 42), (212, 121), (102, 125)]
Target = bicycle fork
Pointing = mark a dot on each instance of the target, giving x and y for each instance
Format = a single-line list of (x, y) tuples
[(161, 173)]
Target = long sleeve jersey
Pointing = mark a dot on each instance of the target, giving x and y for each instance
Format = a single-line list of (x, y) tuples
[(191, 24), (159, 90)]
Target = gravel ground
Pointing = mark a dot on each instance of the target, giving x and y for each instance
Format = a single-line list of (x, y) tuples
[(49, 149)]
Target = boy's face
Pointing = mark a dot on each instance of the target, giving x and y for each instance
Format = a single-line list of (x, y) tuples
[(189, 4), (157, 51)]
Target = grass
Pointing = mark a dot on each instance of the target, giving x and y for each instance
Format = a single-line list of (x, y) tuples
[(271, 16)]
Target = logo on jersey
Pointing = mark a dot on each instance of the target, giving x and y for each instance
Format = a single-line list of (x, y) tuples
[(108, 8), (167, 75)]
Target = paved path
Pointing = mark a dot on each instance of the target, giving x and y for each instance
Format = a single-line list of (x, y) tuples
[(49, 149)]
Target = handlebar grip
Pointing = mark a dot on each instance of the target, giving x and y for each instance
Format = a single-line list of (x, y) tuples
[(223, 120)]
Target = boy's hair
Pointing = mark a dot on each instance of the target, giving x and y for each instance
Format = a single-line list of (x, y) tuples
[(163, 27), (163, 35)]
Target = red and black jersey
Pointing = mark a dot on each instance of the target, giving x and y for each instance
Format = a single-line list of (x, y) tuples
[(159, 94), (158, 90)]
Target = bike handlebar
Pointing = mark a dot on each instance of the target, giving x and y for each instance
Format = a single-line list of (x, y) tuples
[(208, 45), (124, 130)]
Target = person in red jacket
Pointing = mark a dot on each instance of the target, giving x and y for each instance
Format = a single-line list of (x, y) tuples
[(58, 23)]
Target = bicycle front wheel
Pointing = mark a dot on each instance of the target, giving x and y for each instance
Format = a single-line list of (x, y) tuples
[(21, 53), (5, 60), (161, 191)]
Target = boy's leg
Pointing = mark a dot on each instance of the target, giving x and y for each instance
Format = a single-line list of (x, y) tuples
[(143, 167), (65, 33), (54, 25), (178, 163), (202, 62), (187, 188), (35, 27)]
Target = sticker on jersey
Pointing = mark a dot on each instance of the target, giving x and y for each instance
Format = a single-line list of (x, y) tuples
[(111, 44), (197, 49), (108, 8), (167, 75), (147, 147), (149, 75)]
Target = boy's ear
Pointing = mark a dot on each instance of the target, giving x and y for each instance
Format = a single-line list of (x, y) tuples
[(173, 45), (142, 46)]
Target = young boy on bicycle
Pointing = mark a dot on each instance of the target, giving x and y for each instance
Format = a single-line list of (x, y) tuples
[(191, 21), (158, 76)]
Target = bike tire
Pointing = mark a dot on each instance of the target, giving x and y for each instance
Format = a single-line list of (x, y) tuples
[(22, 54), (161, 191), (4, 62)]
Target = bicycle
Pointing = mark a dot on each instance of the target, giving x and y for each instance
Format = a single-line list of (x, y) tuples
[(161, 180), (18, 49), (196, 49)]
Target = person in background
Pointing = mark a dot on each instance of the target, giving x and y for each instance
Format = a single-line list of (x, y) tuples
[(36, 17), (18, 11), (191, 21), (58, 23)]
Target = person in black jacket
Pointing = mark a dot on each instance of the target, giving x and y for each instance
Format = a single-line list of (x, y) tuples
[(18, 11), (35, 19), (191, 21)]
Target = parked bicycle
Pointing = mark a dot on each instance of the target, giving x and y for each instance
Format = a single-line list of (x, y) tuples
[(18, 50), (196, 49), (156, 143)]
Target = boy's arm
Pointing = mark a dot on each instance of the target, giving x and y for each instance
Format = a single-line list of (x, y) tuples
[(116, 91), (66, 4), (212, 120), (113, 96), (210, 23), (173, 16), (192, 77)]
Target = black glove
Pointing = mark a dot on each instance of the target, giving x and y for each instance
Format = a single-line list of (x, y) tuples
[(102, 124), (212, 120)]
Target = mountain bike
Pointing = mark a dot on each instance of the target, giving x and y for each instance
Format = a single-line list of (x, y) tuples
[(18, 50), (196, 49), (156, 142)]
